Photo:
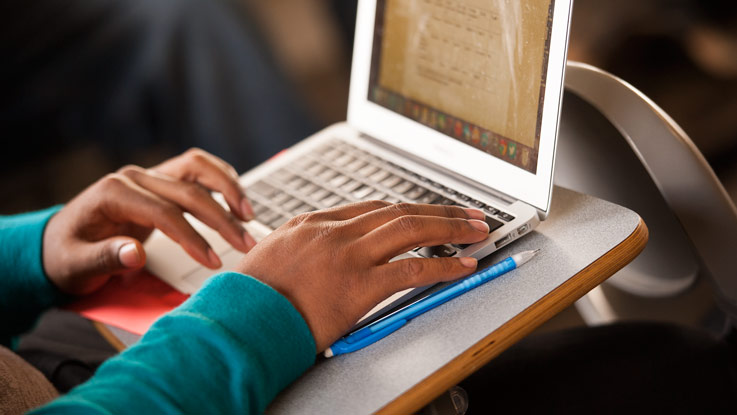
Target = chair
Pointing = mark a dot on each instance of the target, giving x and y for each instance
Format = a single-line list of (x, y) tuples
[(618, 145)]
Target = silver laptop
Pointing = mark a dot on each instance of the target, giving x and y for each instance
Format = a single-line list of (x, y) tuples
[(451, 102)]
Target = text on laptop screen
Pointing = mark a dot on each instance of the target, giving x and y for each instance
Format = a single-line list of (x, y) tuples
[(471, 69)]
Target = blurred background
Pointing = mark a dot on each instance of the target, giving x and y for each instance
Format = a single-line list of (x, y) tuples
[(681, 53), (293, 58)]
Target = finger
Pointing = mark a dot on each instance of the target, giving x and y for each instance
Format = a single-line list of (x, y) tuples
[(130, 203), (407, 232), (417, 272), (197, 200), (93, 263), (376, 218), (352, 210), (212, 172)]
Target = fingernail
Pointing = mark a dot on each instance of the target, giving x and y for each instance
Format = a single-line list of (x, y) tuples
[(248, 239), (246, 209), (129, 256), (468, 262), (480, 225), (214, 260), (475, 213)]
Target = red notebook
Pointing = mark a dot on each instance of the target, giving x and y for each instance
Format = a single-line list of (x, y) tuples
[(131, 302)]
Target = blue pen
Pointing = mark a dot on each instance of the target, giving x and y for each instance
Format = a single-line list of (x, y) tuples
[(388, 325)]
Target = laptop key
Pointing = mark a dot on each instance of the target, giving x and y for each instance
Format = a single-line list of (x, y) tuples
[(403, 186), (263, 189), (477, 204), (493, 223), (339, 181), (316, 169), (331, 201), (343, 160), (302, 209), (368, 170), (267, 217), (506, 216), (449, 191), (282, 176), (415, 193), (355, 166), (447, 202), (429, 198), (328, 174), (291, 204), (280, 198), (332, 154), (258, 208), (490, 210), (391, 181), (309, 188), (297, 183), (377, 195), (351, 186), (320, 194), (281, 220), (362, 192), (379, 176)]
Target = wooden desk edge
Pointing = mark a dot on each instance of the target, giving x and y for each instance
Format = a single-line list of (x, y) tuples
[(109, 336), (520, 326)]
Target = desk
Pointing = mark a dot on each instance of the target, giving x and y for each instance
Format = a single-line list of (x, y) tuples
[(584, 241)]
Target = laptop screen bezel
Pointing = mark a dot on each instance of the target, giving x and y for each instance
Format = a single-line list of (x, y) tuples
[(438, 148)]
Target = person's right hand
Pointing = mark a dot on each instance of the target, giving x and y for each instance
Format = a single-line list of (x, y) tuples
[(333, 265)]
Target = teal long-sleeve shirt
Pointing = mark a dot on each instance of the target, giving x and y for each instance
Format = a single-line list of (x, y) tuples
[(230, 348)]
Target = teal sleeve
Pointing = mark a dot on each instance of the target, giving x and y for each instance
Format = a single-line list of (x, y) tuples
[(230, 348), (25, 292)]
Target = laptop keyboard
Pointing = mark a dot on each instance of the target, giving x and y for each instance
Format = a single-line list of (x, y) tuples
[(338, 173)]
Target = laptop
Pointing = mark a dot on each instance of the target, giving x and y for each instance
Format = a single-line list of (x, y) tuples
[(452, 102)]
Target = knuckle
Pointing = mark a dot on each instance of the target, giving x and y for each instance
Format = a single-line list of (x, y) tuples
[(460, 226), (413, 268), (407, 224), (169, 211), (404, 208), (105, 261), (316, 216), (447, 265), (376, 204), (194, 192), (328, 232), (129, 170), (113, 181), (196, 154), (299, 219), (453, 211)]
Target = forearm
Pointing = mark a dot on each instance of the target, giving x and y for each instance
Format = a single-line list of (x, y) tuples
[(229, 349), (25, 292)]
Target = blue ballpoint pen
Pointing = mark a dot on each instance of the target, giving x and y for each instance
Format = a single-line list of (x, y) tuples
[(388, 325)]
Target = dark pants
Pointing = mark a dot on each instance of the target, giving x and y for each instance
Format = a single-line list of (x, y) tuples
[(619, 369), (133, 73)]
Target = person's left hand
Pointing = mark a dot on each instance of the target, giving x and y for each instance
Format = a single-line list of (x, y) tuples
[(101, 231)]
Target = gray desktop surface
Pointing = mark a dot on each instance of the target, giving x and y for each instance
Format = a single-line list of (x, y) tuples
[(579, 230)]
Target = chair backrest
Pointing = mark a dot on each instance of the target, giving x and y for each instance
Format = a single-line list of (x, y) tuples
[(615, 143)]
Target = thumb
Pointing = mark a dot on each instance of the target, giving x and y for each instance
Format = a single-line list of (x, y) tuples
[(114, 255)]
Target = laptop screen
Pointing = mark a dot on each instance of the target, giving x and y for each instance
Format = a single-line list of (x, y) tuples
[(473, 70)]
